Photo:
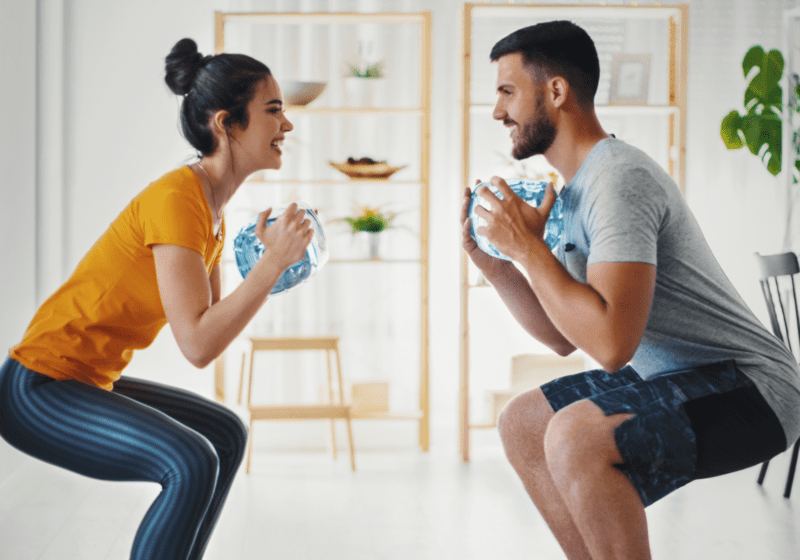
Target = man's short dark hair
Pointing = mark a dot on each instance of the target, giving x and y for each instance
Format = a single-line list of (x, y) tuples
[(556, 48)]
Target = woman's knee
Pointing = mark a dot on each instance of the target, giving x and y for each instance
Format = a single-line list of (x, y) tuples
[(237, 432)]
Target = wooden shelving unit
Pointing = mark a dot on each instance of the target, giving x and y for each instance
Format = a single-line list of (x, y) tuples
[(420, 114), (481, 22)]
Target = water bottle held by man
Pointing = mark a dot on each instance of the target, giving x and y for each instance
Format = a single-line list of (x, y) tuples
[(530, 191)]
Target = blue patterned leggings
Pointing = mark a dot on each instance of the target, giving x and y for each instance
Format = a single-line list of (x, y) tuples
[(140, 431)]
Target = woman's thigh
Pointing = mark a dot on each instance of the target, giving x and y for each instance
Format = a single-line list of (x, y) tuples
[(98, 433), (220, 425)]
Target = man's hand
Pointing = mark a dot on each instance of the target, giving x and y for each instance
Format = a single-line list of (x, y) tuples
[(512, 225), (485, 263)]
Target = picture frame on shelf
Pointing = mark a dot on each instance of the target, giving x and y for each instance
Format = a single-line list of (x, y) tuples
[(630, 76)]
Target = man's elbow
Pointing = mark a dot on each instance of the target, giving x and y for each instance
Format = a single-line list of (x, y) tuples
[(615, 361)]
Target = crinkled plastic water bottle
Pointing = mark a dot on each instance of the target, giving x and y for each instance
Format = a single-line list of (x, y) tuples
[(248, 249), (531, 192)]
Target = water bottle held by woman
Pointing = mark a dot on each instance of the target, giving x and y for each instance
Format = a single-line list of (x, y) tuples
[(248, 249)]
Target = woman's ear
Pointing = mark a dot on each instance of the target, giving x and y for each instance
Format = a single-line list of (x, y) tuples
[(217, 124)]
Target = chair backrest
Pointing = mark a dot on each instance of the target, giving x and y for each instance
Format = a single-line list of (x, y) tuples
[(777, 273)]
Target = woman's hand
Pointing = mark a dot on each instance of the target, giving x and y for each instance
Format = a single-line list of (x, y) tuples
[(512, 223), (285, 240), (485, 263)]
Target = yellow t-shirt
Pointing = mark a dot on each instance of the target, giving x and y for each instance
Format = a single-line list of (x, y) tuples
[(110, 306)]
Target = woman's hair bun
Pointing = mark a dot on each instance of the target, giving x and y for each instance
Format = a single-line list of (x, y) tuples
[(182, 64)]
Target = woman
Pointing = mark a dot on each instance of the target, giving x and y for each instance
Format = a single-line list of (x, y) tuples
[(62, 396)]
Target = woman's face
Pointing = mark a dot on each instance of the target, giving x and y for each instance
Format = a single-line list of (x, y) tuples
[(259, 145)]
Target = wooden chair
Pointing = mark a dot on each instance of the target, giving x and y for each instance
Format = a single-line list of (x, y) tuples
[(773, 267), (333, 409)]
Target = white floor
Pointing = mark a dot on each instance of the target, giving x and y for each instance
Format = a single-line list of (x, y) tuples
[(400, 504)]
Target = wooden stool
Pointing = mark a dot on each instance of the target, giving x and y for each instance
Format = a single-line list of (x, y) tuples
[(299, 411)]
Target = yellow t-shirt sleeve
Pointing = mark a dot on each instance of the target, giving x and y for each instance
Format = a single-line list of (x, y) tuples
[(172, 217)]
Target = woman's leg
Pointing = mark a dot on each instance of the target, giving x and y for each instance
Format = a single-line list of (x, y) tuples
[(105, 435), (221, 426)]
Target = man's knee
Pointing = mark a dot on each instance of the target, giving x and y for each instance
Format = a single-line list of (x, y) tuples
[(580, 438), (524, 420)]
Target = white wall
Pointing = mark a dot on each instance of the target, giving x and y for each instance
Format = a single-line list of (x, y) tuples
[(17, 181), (17, 168), (112, 128)]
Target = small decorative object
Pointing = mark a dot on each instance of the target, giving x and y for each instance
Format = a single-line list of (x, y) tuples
[(371, 71), (366, 168), (368, 224), (301, 93), (248, 250), (360, 83), (370, 398), (630, 74), (371, 220), (531, 192)]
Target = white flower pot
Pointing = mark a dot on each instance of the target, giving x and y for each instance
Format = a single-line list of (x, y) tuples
[(360, 91), (368, 243)]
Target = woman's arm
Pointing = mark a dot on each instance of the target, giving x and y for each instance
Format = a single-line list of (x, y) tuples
[(202, 323), (216, 284)]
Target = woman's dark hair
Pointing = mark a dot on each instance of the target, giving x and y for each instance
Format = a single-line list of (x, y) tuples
[(225, 82), (556, 48)]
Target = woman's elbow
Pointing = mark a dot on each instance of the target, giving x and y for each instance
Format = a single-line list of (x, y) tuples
[(200, 357)]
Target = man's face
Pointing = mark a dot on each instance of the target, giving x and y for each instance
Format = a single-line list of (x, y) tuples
[(521, 107)]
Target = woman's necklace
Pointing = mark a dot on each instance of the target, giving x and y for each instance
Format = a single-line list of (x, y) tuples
[(213, 197)]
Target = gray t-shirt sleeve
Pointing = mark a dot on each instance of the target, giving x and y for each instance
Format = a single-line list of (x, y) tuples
[(625, 216)]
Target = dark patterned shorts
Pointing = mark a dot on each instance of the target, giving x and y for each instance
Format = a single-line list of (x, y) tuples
[(687, 424)]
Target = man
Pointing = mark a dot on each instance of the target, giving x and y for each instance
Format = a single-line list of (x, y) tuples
[(692, 384)]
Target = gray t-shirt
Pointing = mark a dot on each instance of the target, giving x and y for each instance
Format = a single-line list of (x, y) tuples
[(622, 206)]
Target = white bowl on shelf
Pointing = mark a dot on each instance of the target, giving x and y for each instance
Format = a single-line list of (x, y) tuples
[(301, 93)]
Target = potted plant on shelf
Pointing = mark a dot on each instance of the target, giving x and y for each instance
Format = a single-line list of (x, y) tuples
[(360, 82), (368, 224)]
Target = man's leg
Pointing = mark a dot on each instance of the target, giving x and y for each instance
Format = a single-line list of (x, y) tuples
[(581, 454), (522, 425)]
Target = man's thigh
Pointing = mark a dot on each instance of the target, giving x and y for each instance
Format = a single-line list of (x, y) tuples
[(686, 424)]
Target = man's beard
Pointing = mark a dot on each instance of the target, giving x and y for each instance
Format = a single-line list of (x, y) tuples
[(537, 135)]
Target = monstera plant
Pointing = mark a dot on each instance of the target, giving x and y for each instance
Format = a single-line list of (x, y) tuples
[(760, 127)]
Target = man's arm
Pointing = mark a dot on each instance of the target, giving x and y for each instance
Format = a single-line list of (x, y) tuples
[(605, 317), (514, 290)]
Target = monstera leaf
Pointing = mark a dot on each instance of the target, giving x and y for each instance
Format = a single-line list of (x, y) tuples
[(760, 127)]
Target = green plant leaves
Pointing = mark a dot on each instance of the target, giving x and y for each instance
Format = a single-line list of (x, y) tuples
[(760, 127)]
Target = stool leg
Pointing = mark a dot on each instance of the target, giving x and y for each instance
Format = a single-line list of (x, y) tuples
[(330, 401), (352, 448), (249, 446), (341, 400), (241, 378)]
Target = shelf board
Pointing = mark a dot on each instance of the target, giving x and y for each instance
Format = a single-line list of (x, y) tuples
[(626, 110), (482, 426), (324, 18), (385, 416), (375, 260), (303, 110), (331, 181), (572, 11)]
